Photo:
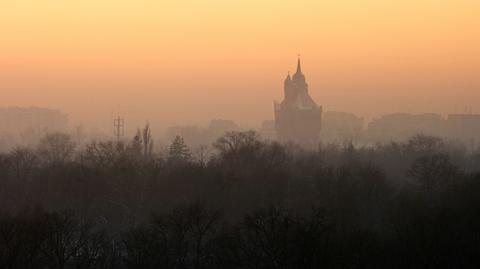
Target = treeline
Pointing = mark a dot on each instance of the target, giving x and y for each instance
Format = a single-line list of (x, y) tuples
[(241, 203)]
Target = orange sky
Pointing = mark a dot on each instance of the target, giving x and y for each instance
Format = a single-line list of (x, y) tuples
[(178, 62)]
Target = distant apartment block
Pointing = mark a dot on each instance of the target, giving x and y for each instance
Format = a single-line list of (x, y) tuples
[(16, 120)]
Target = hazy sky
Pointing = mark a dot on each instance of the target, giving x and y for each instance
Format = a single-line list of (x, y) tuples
[(190, 61)]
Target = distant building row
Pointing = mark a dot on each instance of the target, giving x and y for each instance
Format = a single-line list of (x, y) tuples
[(462, 127), (16, 120), (298, 118), (338, 127)]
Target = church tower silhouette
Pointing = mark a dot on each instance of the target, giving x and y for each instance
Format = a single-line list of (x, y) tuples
[(297, 118)]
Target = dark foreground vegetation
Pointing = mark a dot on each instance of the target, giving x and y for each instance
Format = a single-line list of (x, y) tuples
[(242, 203)]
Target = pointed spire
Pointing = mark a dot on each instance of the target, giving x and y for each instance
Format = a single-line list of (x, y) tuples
[(298, 77), (288, 79), (299, 67)]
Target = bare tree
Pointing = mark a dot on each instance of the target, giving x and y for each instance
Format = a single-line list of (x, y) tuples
[(100, 154), (136, 145), (425, 144), (202, 154), (23, 161), (147, 141), (56, 148), (433, 170), (237, 147), (66, 239), (182, 239)]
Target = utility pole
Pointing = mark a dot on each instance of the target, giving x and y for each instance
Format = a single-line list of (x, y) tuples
[(118, 128)]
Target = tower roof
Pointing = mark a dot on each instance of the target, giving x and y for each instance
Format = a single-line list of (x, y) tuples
[(298, 76), (288, 78), (299, 67)]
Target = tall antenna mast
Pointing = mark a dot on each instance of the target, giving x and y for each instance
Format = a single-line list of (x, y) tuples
[(118, 128)]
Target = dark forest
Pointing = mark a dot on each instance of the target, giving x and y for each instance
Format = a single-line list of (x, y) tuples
[(243, 202)]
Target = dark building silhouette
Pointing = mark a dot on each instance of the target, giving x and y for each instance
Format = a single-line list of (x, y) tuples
[(25, 125), (401, 126), (465, 128), (297, 118), (16, 120), (200, 135), (267, 130), (338, 127)]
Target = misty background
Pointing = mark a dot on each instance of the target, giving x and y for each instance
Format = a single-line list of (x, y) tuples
[(188, 62)]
